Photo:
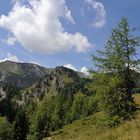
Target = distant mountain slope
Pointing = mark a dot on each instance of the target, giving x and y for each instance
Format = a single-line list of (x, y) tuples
[(21, 74), (24, 74), (26, 84), (60, 80)]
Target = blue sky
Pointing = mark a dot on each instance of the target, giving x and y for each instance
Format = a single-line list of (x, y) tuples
[(80, 27)]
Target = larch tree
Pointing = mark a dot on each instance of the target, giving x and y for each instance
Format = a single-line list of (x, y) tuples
[(114, 79)]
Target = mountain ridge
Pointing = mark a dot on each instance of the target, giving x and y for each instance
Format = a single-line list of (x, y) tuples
[(24, 74)]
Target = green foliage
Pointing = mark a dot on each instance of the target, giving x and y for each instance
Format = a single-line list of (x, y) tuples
[(99, 127), (20, 126), (83, 106), (7, 106), (112, 98), (56, 111), (90, 105), (42, 122), (77, 106), (48, 106), (114, 81), (5, 129)]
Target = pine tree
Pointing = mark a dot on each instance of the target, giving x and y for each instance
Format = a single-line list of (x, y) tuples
[(115, 78), (20, 126)]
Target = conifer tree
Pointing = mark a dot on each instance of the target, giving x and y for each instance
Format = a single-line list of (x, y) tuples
[(20, 126), (115, 65), (5, 129)]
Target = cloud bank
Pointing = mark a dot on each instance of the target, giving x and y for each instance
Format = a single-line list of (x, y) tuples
[(37, 27)]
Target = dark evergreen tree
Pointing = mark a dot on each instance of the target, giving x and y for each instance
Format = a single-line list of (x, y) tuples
[(20, 126), (8, 107), (77, 106)]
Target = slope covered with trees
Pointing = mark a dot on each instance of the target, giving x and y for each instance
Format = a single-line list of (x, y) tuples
[(95, 127)]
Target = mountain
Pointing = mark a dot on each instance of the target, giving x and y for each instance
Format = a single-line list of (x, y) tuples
[(23, 74), (37, 81), (59, 80), (24, 84)]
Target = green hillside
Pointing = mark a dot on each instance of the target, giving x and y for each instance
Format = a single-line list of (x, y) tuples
[(89, 129)]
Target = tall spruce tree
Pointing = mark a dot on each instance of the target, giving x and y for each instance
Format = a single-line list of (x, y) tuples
[(20, 126), (115, 79)]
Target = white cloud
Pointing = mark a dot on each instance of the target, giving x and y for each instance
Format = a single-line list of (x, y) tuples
[(37, 27), (70, 66), (83, 69), (10, 57), (10, 41), (100, 19), (35, 62)]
